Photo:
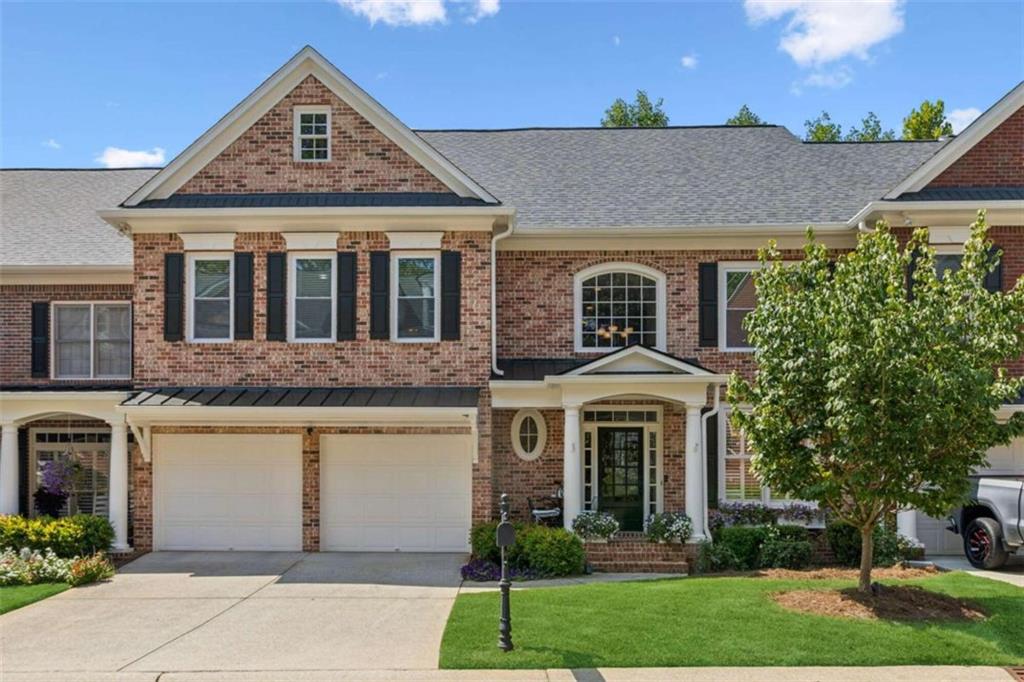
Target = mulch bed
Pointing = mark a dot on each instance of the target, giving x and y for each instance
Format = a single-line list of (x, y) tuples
[(884, 602), (830, 573)]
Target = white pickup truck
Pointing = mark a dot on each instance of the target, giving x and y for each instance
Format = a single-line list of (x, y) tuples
[(992, 522)]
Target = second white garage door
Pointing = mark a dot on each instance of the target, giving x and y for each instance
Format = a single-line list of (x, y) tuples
[(395, 492), (227, 491)]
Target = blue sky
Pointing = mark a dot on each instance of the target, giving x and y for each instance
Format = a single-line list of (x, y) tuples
[(145, 79)]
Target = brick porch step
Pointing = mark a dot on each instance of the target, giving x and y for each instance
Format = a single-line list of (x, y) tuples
[(632, 553)]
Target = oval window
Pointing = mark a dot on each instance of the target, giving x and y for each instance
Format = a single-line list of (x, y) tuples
[(528, 434)]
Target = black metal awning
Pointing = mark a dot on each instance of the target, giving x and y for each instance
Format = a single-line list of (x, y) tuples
[(360, 396)]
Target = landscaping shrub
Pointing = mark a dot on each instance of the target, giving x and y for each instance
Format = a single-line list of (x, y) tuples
[(758, 514), (483, 542), (714, 556), (592, 524), (27, 567), (786, 547), (844, 540), (744, 542), (668, 526), (70, 536), (551, 551)]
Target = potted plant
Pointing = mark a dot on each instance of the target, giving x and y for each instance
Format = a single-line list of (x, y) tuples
[(595, 526), (668, 527), (56, 486)]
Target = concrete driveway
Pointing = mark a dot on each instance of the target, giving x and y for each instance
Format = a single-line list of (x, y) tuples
[(240, 611), (1012, 572)]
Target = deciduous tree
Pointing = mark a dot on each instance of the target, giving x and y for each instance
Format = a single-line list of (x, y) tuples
[(641, 113), (927, 122)]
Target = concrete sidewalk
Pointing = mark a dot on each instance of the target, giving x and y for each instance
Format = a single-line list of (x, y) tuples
[(817, 674)]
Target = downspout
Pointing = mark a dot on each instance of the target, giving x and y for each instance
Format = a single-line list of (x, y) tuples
[(715, 409), (494, 293)]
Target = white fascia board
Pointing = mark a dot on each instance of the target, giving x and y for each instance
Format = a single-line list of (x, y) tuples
[(707, 230), (150, 415), (23, 406), (563, 379), (962, 143), (66, 274), (1006, 211), (619, 356), (305, 63)]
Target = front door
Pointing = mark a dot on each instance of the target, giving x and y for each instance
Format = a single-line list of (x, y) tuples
[(620, 461)]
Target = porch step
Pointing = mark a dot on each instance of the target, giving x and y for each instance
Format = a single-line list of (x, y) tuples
[(680, 567)]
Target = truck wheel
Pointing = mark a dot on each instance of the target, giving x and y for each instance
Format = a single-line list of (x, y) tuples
[(983, 544)]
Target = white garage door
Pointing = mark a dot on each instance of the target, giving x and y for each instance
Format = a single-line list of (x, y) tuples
[(1005, 459), (389, 492), (227, 492)]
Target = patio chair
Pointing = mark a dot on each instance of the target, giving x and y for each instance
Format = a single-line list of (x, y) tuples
[(546, 515)]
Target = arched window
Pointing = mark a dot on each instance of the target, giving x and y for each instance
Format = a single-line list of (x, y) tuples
[(618, 305)]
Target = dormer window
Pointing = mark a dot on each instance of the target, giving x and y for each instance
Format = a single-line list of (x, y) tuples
[(313, 133)]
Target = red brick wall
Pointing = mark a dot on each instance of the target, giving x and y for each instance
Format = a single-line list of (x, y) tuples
[(16, 322), (535, 298), (997, 160), (363, 361), (362, 158)]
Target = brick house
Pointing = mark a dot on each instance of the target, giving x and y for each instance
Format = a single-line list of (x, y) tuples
[(318, 329)]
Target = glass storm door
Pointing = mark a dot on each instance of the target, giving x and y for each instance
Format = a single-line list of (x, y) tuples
[(620, 456)]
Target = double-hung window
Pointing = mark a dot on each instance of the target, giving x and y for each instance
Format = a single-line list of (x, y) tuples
[(92, 340), (312, 288), (415, 281), (737, 298), (312, 133), (210, 289)]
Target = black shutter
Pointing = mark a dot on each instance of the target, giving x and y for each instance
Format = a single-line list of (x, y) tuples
[(380, 262), (451, 295), (707, 302), (41, 340), (276, 297), (174, 296), (243, 295), (24, 494), (994, 279), (346, 295), (711, 445)]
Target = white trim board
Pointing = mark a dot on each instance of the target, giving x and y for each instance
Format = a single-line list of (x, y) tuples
[(306, 62)]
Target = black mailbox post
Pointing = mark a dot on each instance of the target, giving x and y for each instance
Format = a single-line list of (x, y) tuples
[(506, 537)]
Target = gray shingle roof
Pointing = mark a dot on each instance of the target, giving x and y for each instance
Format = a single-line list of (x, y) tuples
[(661, 177), (48, 217)]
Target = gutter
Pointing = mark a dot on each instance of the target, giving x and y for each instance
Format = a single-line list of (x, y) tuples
[(494, 293), (921, 206)]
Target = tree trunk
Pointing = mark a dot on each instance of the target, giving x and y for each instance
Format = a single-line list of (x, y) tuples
[(867, 557)]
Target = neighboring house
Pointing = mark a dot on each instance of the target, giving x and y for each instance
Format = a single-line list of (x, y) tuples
[(318, 329)]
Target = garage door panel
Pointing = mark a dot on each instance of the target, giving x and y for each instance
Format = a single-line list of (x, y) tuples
[(228, 491), (388, 492)]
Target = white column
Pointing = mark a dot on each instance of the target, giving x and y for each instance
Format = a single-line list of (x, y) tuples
[(572, 485), (9, 468), (119, 484), (694, 473), (906, 525)]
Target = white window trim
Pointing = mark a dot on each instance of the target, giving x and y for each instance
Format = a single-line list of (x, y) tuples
[(33, 458), (293, 258), (192, 257), (542, 434), (92, 340), (633, 268), (655, 427), (723, 269), (395, 257), (297, 138)]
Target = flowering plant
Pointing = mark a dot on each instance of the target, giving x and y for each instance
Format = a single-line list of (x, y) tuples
[(591, 524), (484, 570), (58, 481), (27, 567), (668, 526)]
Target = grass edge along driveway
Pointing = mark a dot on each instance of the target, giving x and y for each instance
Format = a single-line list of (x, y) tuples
[(15, 596), (723, 622)]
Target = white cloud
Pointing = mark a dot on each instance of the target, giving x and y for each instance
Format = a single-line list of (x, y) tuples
[(419, 12), (961, 118), (484, 9), (616, 41), (115, 157), (834, 79), (51, 144), (819, 32), (689, 61)]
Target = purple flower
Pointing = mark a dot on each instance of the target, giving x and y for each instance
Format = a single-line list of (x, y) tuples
[(58, 476)]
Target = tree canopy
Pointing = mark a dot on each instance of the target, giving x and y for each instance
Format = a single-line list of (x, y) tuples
[(641, 113), (928, 122), (744, 117), (822, 129), (870, 131), (869, 400)]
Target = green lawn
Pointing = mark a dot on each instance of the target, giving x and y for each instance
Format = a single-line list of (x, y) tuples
[(722, 621), (16, 596)]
